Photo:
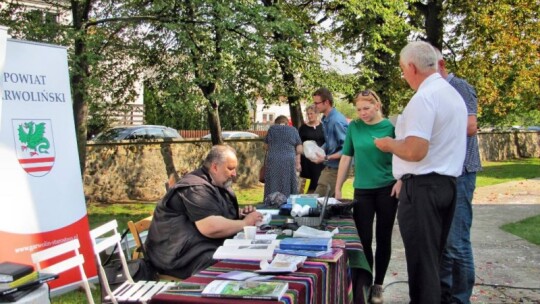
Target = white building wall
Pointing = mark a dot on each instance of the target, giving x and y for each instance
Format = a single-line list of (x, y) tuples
[(267, 114)]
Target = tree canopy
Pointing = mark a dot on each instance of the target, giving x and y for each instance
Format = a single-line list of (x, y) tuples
[(203, 64)]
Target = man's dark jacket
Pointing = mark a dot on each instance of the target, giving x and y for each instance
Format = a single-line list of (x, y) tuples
[(173, 240)]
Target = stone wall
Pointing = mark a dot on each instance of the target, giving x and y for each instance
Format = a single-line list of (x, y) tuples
[(508, 145), (134, 172), (138, 172)]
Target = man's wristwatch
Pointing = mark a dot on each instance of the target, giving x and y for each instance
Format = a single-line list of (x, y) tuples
[(326, 159)]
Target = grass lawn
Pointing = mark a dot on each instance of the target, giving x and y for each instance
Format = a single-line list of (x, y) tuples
[(528, 229), (493, 173), (505, 171)]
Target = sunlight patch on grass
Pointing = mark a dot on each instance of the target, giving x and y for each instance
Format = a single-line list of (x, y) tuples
[(528, 229), (506, 171)]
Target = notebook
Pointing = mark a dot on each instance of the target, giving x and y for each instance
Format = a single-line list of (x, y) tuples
[(315, 221)]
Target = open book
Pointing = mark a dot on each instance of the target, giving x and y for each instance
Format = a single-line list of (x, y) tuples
[(282, 263), (269, 290), (245, 252)]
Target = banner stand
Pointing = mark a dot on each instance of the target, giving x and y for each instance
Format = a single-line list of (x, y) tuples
[(42, 201)]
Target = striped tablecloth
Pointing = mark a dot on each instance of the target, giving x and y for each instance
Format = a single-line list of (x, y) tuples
[(342, 277)]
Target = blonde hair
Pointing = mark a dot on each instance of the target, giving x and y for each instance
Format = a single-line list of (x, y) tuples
[(313, 108), (370, 96)]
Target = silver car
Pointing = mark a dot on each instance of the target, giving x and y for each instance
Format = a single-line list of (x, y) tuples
[(140, 132), (233, 135)]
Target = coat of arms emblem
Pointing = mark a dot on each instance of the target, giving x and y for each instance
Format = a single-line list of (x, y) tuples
[(34, 145)]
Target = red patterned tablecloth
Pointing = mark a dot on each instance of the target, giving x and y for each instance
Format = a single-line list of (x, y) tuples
[(337, 278)]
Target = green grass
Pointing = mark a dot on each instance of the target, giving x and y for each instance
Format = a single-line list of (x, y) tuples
[(255, 194), (102, 213), (505, 171), (528, 229), (494, 173)]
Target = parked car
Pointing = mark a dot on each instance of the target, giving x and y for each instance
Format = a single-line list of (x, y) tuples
[(533, 128), (233, 135), (136, 132)]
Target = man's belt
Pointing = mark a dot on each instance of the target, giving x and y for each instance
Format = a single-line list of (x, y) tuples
[(407, 176)]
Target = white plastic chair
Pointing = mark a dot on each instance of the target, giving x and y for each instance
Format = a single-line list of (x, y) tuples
[(107, 236), (77, 260)]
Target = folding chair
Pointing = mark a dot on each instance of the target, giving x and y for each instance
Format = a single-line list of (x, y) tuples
[(136, 228), (107, 236), (76, 260)]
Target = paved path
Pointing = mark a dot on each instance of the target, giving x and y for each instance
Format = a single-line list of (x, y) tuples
[(501, 259)]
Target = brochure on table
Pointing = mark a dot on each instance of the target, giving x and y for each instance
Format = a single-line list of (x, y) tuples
[(270, 290)]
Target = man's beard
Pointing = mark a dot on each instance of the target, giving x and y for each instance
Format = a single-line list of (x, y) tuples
[(228, 183)]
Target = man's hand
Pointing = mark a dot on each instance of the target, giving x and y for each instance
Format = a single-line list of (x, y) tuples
[(246, 210), (337, 193), (216, 226), (384, 144), (320, 159), (412, 148), (396, 189), (252, 218)]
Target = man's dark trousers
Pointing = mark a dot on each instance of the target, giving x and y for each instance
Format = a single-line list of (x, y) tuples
[(426, 208)]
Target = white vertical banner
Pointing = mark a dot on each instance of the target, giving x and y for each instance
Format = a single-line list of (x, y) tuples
[(41, 197)]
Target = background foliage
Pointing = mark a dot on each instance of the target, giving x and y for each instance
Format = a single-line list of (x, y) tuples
[(204, 63)]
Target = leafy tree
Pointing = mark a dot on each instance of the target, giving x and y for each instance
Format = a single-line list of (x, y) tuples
[(100, 57), (377, 31), (496, 47)]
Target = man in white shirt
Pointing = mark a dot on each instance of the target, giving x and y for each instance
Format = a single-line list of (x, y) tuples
[(429, 150)]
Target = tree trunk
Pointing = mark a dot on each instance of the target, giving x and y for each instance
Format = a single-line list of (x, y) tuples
[(434, 23), (80, 108), (215, 124), (212, 112), (80, 73), (295, 109)]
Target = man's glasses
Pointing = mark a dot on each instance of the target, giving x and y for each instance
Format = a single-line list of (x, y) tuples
[(318, 102)]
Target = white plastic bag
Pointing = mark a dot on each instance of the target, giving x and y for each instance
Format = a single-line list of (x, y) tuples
[(312, 151)]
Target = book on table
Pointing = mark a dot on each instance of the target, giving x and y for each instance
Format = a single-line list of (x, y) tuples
[(282, 263), (17, 295), (306, 253), (318, 244), (238, 275), (41, 278), (269, 290), (11, 271), (245, 252), (240, 242), (18, 282)]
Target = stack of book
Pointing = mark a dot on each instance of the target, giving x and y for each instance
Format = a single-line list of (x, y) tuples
[(310, 247), (17, 280)]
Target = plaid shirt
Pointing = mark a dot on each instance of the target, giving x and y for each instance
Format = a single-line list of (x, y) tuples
[(472, 156)]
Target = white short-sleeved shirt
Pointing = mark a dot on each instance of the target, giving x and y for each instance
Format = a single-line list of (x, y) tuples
[(438, 114)]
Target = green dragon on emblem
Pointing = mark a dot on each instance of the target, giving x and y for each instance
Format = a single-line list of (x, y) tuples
[(33, 138)]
